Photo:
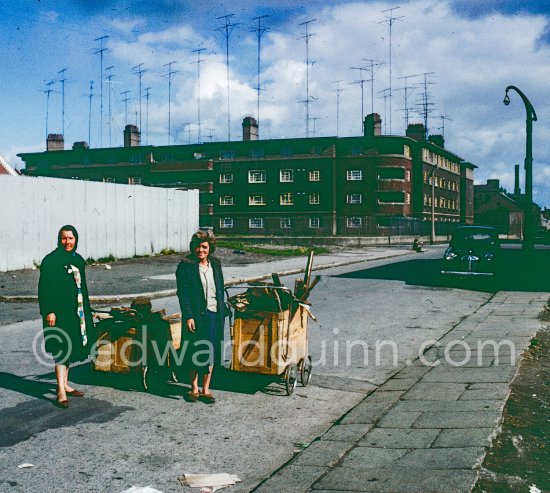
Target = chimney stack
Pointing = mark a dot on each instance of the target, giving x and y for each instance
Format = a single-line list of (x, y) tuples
[(517, 190), (438, 140), (55, 142), (250, 128), (372, 126), (416, 131), (132, 136)]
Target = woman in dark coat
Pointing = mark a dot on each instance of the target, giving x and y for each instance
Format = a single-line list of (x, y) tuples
[(65, 308), (200, 286)]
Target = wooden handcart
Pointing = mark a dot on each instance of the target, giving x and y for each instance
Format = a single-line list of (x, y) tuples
[(122, 335), (269, 333)]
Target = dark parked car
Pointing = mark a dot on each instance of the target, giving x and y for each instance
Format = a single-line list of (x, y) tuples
[(473, 251)]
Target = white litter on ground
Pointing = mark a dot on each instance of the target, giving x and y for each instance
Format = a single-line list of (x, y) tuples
[(25, 466), (141, 489), (209, 482), (534, 489)]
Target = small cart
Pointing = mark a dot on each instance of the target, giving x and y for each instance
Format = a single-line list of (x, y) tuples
[(269, 334), (136, 341)]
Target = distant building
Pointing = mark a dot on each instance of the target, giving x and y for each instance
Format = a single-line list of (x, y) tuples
[(367, 185)]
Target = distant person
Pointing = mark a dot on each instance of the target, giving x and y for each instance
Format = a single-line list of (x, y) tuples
[(417, 245), (65, 308), (200, 286)]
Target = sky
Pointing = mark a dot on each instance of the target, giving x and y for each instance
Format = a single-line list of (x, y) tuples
[(471, 50)]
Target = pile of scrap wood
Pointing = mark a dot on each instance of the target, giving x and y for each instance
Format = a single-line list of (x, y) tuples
[(273, 296)]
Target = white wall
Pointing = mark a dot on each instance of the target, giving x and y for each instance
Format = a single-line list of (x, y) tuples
[(111, 219)]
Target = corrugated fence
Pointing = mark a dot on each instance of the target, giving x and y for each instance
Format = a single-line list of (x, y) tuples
[(111, 219)]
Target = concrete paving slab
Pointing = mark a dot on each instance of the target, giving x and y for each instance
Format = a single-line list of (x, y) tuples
[(450, 406), (291, 479), (466, 419), (398, 481), (443, 458), (398, 419), (399, 438), (435, 391), (386, 396), (399, 384), (366, 412), (322, 453), (465, 437), (346, 432), (372, 457), (470, 375)]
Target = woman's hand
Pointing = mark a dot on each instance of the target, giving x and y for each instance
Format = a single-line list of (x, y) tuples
[(50, 319), (191, 325)]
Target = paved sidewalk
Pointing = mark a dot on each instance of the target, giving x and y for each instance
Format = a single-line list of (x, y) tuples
[(427, 428)]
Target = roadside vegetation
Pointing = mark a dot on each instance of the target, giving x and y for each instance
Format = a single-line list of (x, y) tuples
[(279, 251)]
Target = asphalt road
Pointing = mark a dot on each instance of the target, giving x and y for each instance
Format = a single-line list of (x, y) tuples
[(117, 436)]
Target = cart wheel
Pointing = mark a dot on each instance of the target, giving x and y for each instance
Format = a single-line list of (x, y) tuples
[(291, 378), (305, 371), (144, 372)]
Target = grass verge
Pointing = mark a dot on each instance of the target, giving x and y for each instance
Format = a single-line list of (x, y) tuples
[(266, 250)]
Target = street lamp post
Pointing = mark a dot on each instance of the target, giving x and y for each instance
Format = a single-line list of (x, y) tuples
[(529, 226)]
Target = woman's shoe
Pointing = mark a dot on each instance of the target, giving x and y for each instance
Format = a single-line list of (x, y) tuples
[(76, 393), (62, 404), (207, 398), (192, 396)]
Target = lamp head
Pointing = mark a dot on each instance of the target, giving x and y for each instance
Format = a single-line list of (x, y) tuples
[(506, 99)]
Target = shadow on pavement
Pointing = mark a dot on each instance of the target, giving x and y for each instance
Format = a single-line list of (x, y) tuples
[(516, 271)]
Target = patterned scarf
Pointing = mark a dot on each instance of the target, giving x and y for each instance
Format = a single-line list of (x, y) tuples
[(80, 299)]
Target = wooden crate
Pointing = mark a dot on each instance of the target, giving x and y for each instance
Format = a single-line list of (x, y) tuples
[(117, 356), (267, 343)]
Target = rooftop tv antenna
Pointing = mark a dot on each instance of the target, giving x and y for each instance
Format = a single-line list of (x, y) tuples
[(62, 80), (228, 28), (306, 37), (91, 96), (147, 94), (337, 91), (110, 86), (406, 94), (361, 82), (385, 94), (371, 66), (425, 102), (198, 51), (442, 128), (100, 51), (260, 31), (47, 92), (170, 76), (125, 100), (139, 72), (390, 19)]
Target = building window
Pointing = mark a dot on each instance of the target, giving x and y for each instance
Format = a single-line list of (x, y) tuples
[(256, 176), (354, 174), (226, 178), (134, 180), (354, 198), (226, 200), (255, 222), (314, 222), (286, 175), (407, 198), (314, 175), (256, 199), (109, 179), (314, 198), (286, 151), (407, 175), (406, 151), (227, 154), (354, 222), (257, 153), (226, 222), (284, 223), (286, 198)]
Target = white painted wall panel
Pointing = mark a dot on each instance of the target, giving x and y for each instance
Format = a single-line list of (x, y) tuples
[(111, 219)]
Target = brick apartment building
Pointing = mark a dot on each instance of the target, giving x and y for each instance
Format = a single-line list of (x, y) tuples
[(367, 185)]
